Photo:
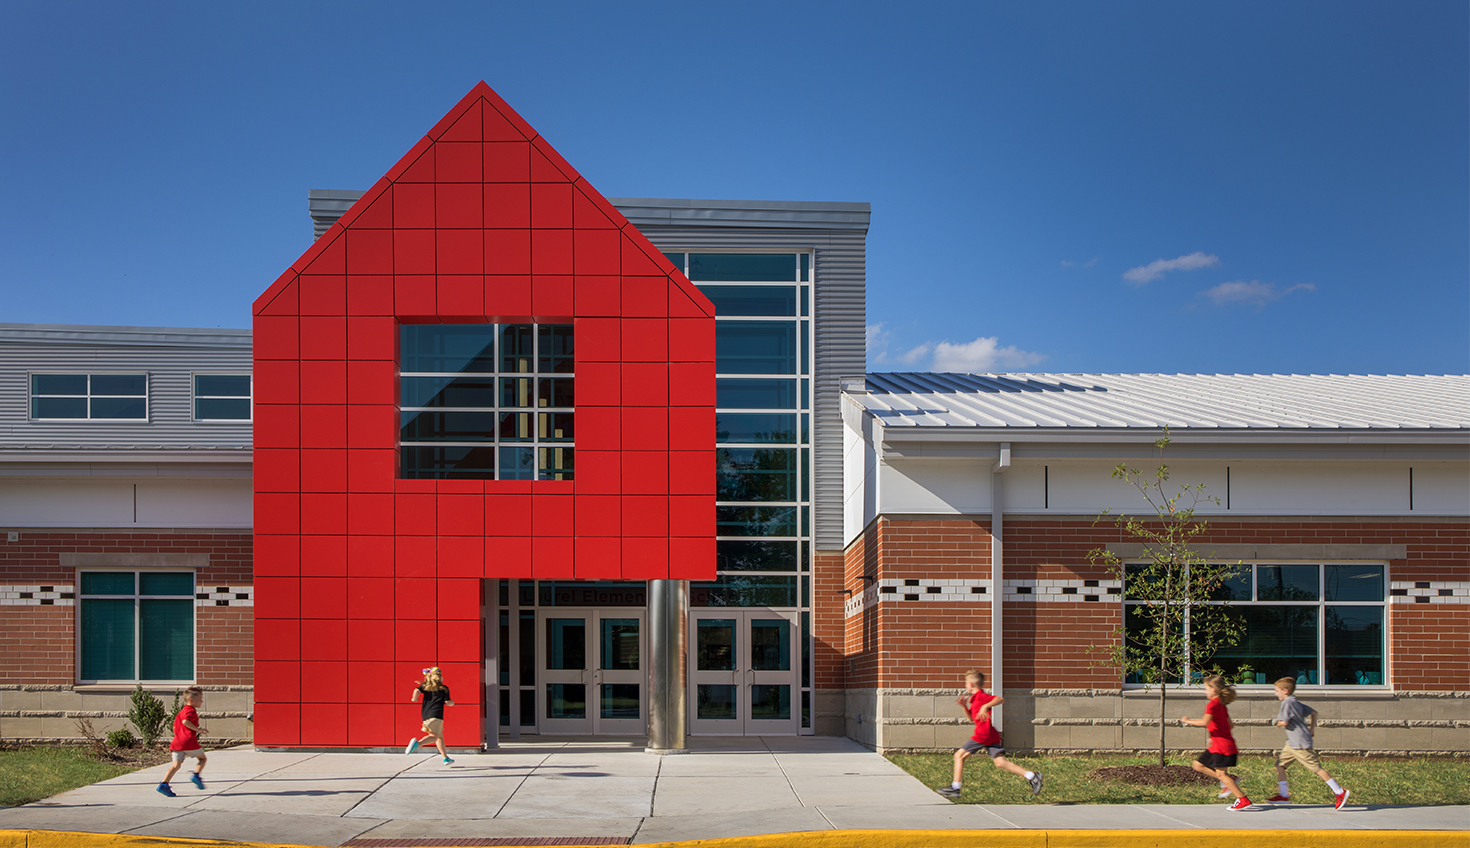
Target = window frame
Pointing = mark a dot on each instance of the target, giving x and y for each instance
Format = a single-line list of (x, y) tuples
[(536, 443), (31, 396), (1321, 605), (194, 398), (137, 598)]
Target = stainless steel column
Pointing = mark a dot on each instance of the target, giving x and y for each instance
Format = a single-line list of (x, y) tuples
[(668, 628)]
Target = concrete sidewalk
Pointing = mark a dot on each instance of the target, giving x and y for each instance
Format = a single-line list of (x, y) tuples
[(601, 787)]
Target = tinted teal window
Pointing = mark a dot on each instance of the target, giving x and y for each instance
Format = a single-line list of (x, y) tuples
[(755, 555), (555, 463), (107, 639), (675, 259), (449, 462), (167, 632), (748, 267), (119, 384), (1354, 646), (1236, 588), (755, 394), (554, 347), (755, 521), (1354, 582), (166, 583), (755, 347), (806, 260), (1280, 641), (58, 407), (517, 349), (447, 426), (119, 407), (447, 391), (755, 427), (222, 409), (517, 463), (1287, 583), (447, 348), (805, 346), (222, 385), (59, 384), (755, 474), (744, 590), (107, 582), (752, 300)]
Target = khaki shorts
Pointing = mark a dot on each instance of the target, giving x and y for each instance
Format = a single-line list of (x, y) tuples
[(434, 726), (178, 756), (1305, 756)]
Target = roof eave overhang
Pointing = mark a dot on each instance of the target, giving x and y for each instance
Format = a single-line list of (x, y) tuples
[(1134, 435)]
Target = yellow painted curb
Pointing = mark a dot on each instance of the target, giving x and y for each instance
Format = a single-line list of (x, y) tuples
[(1182, 838)]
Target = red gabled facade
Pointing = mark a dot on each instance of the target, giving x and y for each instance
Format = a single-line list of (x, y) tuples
[(361, 578)]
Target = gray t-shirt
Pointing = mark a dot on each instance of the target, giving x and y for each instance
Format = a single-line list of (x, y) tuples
[(1295, 713)]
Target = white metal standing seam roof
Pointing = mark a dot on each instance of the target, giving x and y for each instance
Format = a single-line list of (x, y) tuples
[(1177, 401)]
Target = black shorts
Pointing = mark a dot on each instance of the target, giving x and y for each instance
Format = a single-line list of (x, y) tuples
[(1210, 759), (973, 747)]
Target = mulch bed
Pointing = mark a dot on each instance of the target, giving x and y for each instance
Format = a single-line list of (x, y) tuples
[(1153, 775)]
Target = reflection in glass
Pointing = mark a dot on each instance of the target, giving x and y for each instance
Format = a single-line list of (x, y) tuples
[(771, 702), (755, 427), (745, 267), (566, 700), (715, 701), (620, 644), (516, 392), (1279, 641), (714, 644), (119, 407), (739, 393), (446, 426), (222, 385), (752, 300), (566, 643), (755, 555), (447, 348), (770, 644), (1235, 587), (447, 463), (1286, 582), (755, 474), (516, 349), (447, 391), (755, 347), (744, 590), (555, 463), (1354, 583), (555, 348), (107, 639), (59, 384), (755, 521), (619, 700), (166, 583), (555, 392), (1354, 646), (517, 464), (119, 384)]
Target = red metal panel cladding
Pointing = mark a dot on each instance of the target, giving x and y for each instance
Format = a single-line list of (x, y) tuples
[(365, 578)]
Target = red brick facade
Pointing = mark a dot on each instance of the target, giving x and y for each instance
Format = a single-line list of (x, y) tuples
[(38, 642), (926, 645)]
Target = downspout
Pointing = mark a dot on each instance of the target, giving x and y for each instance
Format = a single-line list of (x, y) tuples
[(997, 584)]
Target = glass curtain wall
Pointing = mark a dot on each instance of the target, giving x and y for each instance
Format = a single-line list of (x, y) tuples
[(763, 375)]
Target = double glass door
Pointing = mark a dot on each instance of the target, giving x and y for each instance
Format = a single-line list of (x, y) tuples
[(592, 671), (742, 672)]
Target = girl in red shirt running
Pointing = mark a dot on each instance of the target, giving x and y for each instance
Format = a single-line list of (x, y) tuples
[(1220, 755)]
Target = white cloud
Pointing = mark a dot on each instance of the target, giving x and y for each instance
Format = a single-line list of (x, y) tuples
[(1159, 267), (876, 338), (1254, 293), (983, 354), (914, 354)]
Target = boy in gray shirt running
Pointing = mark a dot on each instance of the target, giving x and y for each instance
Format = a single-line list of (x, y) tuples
[(1300, 722)]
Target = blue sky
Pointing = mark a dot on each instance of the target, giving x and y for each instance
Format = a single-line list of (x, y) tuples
[(1100, 187)]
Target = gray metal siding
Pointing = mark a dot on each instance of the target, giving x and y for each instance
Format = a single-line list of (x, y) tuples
[(840, 281), (170, 424)]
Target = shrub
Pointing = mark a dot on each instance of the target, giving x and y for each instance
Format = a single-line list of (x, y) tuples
[(148, 716), (121, 738)]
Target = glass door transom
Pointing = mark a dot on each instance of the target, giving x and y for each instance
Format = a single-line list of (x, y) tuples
[(592, 671), (742, 672)]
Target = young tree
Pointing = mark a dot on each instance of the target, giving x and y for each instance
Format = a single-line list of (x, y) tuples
[(1174, 633)]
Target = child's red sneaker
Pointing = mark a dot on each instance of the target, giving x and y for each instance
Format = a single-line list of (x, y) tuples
[(1339, 799), (1240, 804), (1280, 799)]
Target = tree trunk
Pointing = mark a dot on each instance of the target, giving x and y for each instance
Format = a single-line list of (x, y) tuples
[(1164, 664)]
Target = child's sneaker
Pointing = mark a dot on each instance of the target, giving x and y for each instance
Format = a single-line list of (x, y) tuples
[(1035, 782), (447, 761), (1240, 804), (948, 791), (1223, 793), (413, 745), (196, 780), (1280, 799), (1339, 800), (165, 789)]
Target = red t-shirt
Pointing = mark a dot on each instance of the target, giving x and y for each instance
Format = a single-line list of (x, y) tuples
[(1218, 718), (184, 738), (984, 733)]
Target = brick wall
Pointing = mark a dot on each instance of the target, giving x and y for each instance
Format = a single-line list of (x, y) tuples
[(38, 642), (898, 644)]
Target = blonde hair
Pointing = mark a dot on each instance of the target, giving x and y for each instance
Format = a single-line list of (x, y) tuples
[(1223, 690), (192, 691), (433, 680), (977, 674), (1287, 683)]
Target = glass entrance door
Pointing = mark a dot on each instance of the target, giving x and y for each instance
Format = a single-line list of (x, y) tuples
[(742, 672), (592, 668)]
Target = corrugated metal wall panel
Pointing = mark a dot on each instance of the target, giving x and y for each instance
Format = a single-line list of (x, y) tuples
[(840, 315), (170, 422)]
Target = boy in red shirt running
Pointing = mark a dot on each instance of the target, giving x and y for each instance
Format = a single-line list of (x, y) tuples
[(978, 704), (186, 741)]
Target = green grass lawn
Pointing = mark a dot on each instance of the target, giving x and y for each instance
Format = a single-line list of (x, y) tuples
[(30, 774), (1371, 781)]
